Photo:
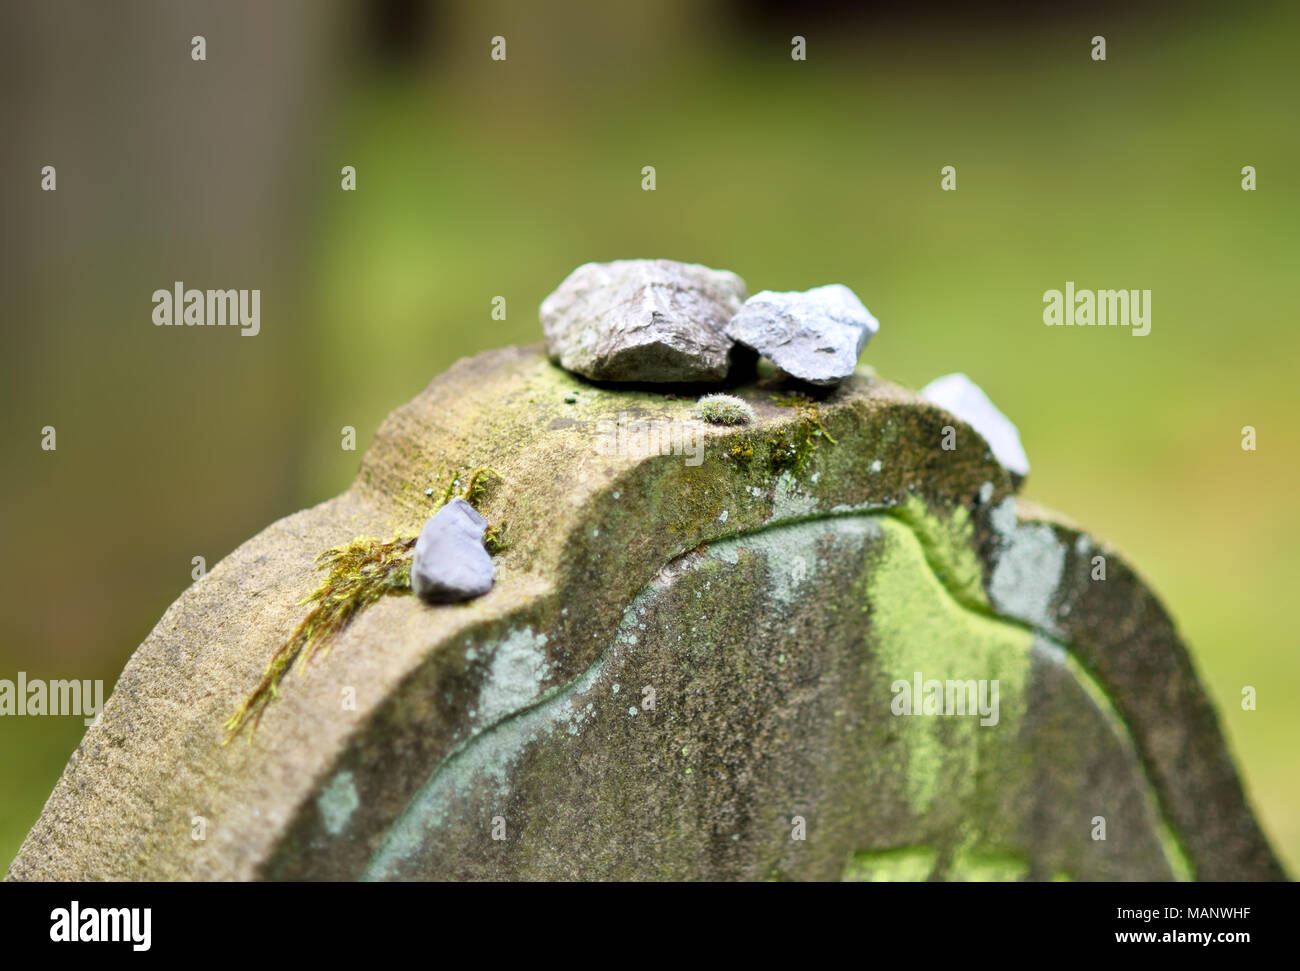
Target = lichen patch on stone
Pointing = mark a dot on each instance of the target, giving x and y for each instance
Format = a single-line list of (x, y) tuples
[(516, 677), (1028, 570), (337, 802)]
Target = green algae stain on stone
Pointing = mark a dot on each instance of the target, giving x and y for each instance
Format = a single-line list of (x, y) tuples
[(973, 866), (917, 626), (915, 864), (949, 549), (943, 767), (910, 864)]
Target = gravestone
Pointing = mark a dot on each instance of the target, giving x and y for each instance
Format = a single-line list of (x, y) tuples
[(710, 653)]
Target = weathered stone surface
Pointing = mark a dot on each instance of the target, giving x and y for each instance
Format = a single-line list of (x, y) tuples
[(678, 665), (643, 321), (964, 398), (815, 335), (450, 562)]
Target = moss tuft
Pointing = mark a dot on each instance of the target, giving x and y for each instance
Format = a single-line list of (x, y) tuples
[(360, 572), (724, 409), (479, 483), (742, 450), (494, 538)]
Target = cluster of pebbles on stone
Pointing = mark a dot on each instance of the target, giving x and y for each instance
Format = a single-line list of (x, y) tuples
[(660, 322), (664, 322)]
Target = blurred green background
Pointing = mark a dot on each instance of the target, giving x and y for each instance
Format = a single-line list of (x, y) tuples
[(479, 178)]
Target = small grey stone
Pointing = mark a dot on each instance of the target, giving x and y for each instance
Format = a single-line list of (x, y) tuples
[(965, 399), (653, 321), (450, 562), (815, 335)]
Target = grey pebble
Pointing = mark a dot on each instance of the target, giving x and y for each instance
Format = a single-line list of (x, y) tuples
[(451, 563), (815, 335)]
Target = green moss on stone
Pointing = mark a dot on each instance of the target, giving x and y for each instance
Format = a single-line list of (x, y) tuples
[(480, 482), (360, 573), (918, 626), (910, 864), (494, 538), (794, 446), (919, 863), (742, 450), (949, 547)]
